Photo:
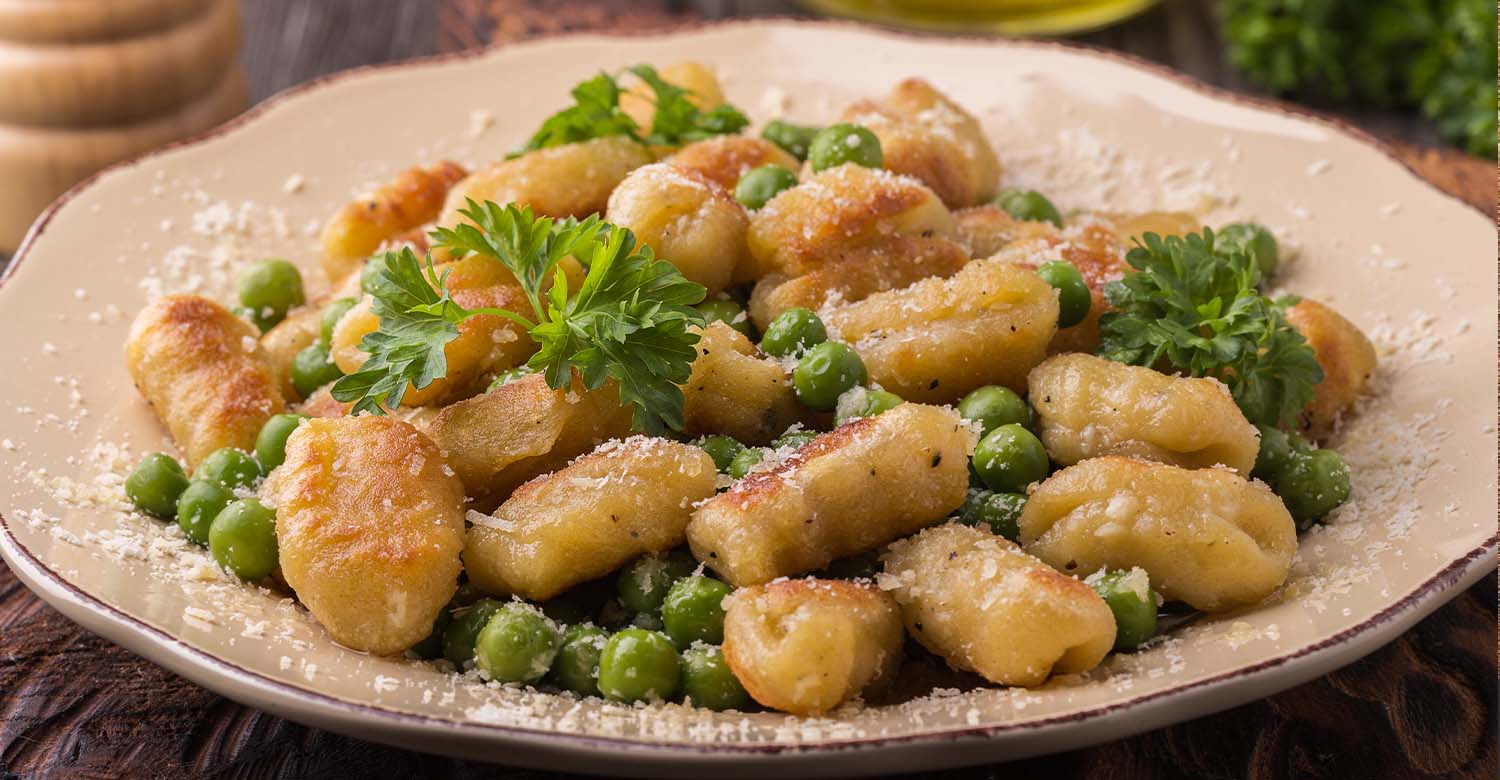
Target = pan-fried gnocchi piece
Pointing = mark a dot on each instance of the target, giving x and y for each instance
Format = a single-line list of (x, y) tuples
[(1206, 536), (322, 404), (988, 229), (282, 343), (369, 527), (1088, 406), (581, 522), (734, 390), (806, 646), (639, 101), (724, 159), (845, 492), (203, 372), (924, 134), (485, 343), (889, 263), (523, 428), (940, 338), (806, 226), (977, 600), (414, 198), (686, 219), (1346, 356), (572, 180)]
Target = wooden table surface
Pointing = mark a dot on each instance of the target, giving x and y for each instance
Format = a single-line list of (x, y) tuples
[(74, 705)]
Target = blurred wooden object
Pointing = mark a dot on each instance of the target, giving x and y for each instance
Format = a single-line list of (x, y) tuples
[(85, 83)]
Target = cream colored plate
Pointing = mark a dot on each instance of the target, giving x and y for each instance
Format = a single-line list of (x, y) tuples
[(1415, 268)]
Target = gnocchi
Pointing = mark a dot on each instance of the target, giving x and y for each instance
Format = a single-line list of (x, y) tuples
[(1346, 356), (687, 219), (573, 180), (735, 391), (413, 199)]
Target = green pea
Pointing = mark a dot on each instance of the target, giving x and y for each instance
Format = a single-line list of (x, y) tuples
[(459, 637), (844, 143), (1276, 451), (792, 332), (431, 646), (722, 449), (1130, 598), (745, 460), (270, 444), (644, 583), (1000, 511), (862, 402), (243, 539), (826, 372), (757, 186), (639, 665), (332, 313), (993, 406), (793, 138), (155, 484), (312, 368), (793, 439), (576, 667), (1027, 204), (197, 507), (693, 610), (517, 644), (708, 682), (1009, 458), (1073, 295), (510, 375), (269, 289), (729, 313), (1253, 240), (229, 467), (1313, 484)]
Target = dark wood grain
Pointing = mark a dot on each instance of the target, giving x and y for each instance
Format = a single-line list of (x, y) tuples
[(76, 706)]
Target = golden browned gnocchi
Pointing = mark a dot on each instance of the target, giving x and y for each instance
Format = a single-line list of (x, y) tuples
[(987, 229), (1207, 537), (845, 492), (204, 373), (1087, 406), (724, 159), (924, 134), (686, 219), (283, 341), (807, 226), (984, 606), (988, 324), (639, 102), (1346, 356), (806, 646), (736, 391), (521, 429), (624, 499), (414, 198), (573, 180), (370, 523), (889, 263)]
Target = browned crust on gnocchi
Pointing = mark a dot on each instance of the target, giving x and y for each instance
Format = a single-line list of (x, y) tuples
[(724, 159), (412, 199), (1346, 356)]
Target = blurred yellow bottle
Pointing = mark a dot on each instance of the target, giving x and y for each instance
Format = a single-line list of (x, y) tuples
[(1008, 17)]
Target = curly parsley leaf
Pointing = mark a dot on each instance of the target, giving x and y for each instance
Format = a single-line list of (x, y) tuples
[(1194, 307), (596, 113), (628, 321)]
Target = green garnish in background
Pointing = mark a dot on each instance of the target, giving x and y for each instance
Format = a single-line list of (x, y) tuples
[(1436, 55)]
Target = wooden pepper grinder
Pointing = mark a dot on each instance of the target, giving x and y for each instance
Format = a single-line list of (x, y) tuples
[(85, 83)]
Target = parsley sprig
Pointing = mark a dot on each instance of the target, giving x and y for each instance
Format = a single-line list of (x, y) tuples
[(596, 113), (1193, 306), (628, 320)]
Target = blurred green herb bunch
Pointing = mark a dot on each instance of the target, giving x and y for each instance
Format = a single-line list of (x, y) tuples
[(1436, 55)]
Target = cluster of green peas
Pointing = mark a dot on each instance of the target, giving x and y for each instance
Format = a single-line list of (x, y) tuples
[(668, 620), (268, 290), (214, 507)]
